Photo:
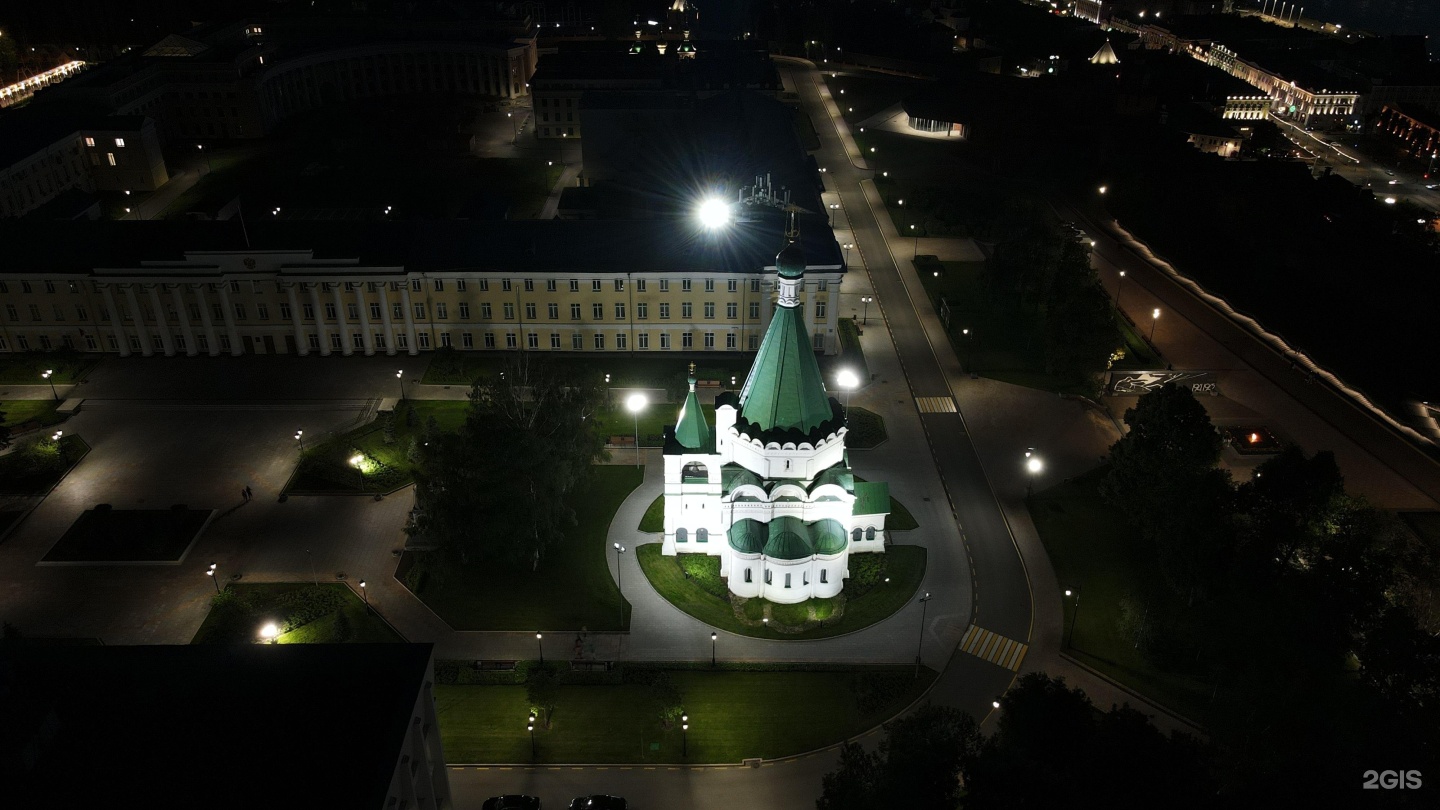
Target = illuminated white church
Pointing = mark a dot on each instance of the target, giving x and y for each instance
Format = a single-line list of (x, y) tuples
[(770, 491)]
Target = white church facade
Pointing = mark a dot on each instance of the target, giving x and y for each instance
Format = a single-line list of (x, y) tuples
[(769, 490)]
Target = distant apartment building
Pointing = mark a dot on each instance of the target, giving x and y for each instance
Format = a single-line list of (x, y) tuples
[(189, 288), (1306, 102), (46, 153)]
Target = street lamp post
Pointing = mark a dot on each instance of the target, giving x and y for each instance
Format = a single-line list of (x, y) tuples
[(1033, 465), (848, 381), (833, 206), (684, 736), (865, 317), (201, 147), (541, 644), (530, 726), (400, 375), (270, 633), (300, 439), (49, 373), (920, 645), (847, 247), (712, 648), (1154, 319), (635, 403), (620, 581), (365, 595), (515, 129), (915, 249), (1119, 288), (213, 579), (1074, 614)]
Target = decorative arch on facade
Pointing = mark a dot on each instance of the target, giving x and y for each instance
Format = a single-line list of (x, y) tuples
[(702, 535), (694, 469), (681, 535)]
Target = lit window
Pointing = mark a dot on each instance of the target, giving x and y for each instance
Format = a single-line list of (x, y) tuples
[(89, 141), (119, 143), (110, 156)]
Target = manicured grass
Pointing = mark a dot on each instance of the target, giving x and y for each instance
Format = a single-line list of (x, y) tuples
[(653, 420), (905, 565), (129, 535), (326, 468), (36, 465), (41, 412), (867, 429), (1094, 549), (667, 370), (26, 368), (573, 588), (654, 519), (733, 716), (309, 614)]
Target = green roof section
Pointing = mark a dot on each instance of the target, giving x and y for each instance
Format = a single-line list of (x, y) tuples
[(691, 429), (747, 536), (789, 539), (871, 498), (838, 474), (733, 476), (785, 389), (829, 536)]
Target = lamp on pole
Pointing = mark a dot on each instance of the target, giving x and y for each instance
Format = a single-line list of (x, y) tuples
[(204, 154), (1154, 319), (213, 579), (270, 633), (1033, 466), (635, 403), (49, 373), (515, 129), (1074, 614), (530, 727), (400, 375), (365, 595), (1119, 288), (833, 206), (684, 735), (300, 439), (620, 581), (713, 636), (920, 645), (915, 249), (847, 247), (865, 316), (848, 381), (541, 644)]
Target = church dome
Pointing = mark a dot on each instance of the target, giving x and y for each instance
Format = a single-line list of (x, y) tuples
[(829, 536), (791, 261), (789, 540), (747, 536)]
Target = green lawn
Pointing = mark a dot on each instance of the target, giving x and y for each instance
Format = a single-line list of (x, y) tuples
[(26, 368), (904, 565), (654, 519), (653, 420), (129, 535), (733, 716), (38, 463), (326, 468), (626, 370), (21, 411), (573, 588), (1094, 550), (330, 613)]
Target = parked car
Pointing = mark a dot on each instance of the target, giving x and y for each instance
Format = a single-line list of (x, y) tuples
[(597, 802), (511, 801)]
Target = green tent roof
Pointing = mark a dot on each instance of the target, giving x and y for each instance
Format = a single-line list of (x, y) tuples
[(784, 388), (747, 536), (789, 539), (871, 498), (691, 430)]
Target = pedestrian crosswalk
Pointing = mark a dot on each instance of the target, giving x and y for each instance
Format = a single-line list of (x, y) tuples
[(993, 647), (935, 404)]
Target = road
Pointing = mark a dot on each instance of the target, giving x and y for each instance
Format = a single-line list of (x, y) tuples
[(1361, 170)]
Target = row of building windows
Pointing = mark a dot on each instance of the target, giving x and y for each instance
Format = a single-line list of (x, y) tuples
[(506, 285), (489, 340), (770, 579)]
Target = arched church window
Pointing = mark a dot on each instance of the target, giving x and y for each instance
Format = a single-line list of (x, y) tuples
[(823, 578), (747, 574), (702, 535), (768, 578), (681, 535), (857, 534), (694, 470), (870, 533)]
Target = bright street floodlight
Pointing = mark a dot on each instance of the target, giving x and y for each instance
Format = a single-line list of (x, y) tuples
[(847, 379), (636, 403), (269, 632), (1034, 464), (714, 213)]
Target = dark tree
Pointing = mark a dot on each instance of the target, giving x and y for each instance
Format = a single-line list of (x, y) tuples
[(500, 488), (919, 764), (542, 690), (1284, 508), (855, 783), (1080, 331)]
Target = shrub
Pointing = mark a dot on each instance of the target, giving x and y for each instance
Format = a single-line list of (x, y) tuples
[(704, 571), (866, 571)]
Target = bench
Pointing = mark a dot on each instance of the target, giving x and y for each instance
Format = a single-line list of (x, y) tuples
[(495, 666), (625, 440), (592, 666)]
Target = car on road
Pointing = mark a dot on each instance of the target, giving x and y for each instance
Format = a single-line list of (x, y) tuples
[(597, 802), (511, 801)]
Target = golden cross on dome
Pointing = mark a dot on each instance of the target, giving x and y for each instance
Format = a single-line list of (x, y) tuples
[(692, 369)]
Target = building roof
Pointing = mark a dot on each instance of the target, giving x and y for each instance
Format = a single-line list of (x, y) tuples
[(215, 725), (789, 539), (691, 430), (829, 536), (747, 536), (871, 498), (671, 245), (1105, 56)]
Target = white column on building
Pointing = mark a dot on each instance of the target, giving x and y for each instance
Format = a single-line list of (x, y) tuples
[(385, 319), (236, 348), (319, 318), (347, 346), (409, 317), (117, 320), (212, 342), (177, 295), (367, 339), (162, 324), (301, 345), (138, 315)]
